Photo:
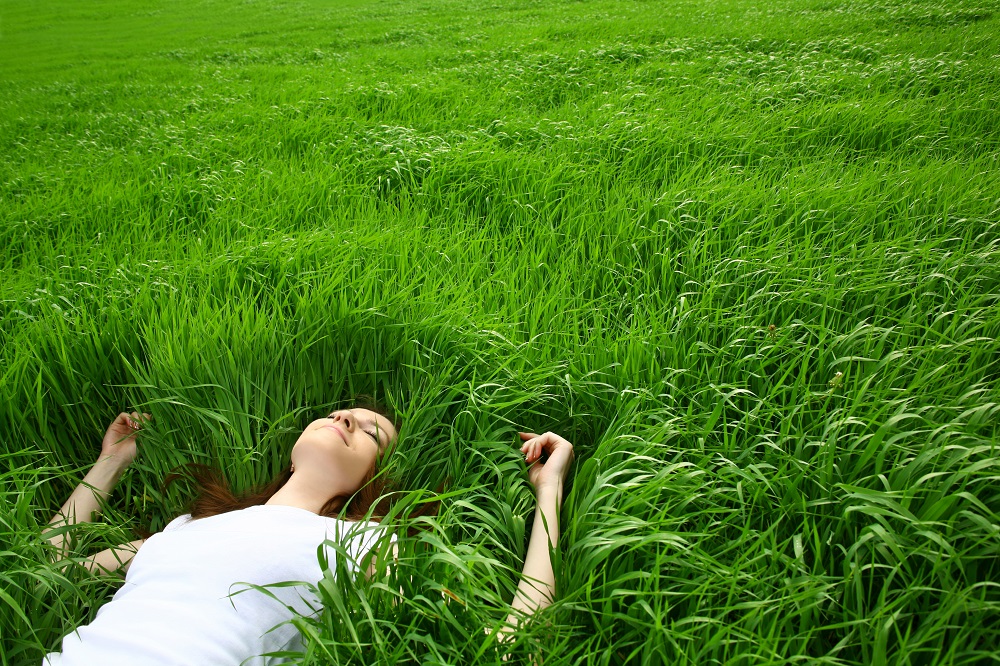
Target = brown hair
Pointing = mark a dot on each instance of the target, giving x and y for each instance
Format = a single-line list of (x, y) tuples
[(376, 494)]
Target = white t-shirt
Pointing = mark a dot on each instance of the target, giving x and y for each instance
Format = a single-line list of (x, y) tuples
[(179, 602)]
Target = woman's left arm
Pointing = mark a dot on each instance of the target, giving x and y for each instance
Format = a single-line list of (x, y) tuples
[(536, 589)]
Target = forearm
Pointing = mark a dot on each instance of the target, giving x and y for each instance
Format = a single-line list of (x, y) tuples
[(85, 500), (537, 587), (115, 559)]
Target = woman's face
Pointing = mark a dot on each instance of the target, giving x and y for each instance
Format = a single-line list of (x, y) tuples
[(342, 448)]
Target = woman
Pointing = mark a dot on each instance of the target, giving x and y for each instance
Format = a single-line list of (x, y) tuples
[(184, 600)]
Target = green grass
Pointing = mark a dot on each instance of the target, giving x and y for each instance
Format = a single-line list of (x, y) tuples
[(746, 256)]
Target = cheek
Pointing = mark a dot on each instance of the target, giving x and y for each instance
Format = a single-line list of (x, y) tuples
[(367, 460)]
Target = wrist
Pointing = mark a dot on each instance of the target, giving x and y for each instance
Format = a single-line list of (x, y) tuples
[(110, 464), (550, 491)]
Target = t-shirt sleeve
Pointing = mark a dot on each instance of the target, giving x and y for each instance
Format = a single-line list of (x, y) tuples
[(359, 538), (374, 537), (178, 522)]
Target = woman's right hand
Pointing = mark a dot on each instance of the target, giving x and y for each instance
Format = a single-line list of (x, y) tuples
[(551, 473), (119, 441)]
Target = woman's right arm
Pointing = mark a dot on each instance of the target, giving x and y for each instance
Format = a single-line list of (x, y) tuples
[(83, 504), (111, 560), (118, 450)]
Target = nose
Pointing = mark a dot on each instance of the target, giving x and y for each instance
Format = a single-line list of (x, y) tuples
[(345, 418)]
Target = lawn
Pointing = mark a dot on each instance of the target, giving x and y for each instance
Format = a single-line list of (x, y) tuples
[(745, 256)]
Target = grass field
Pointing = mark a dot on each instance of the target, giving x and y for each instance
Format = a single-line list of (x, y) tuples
[(746, 256)]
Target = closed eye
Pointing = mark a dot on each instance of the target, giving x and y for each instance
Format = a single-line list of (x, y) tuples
[(373, 435)]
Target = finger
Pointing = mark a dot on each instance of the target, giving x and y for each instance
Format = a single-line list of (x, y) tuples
[(526, 446), (554, 441), (529, 454)]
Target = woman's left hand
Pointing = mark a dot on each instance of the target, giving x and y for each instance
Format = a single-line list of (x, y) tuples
[(551, 473)]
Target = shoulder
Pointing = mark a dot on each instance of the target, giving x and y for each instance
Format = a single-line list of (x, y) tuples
[(178, 522)]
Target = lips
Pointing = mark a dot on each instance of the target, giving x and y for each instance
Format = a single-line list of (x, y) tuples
[(339, 432)]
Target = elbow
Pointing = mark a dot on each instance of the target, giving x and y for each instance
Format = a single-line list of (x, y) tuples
[(55, 543)]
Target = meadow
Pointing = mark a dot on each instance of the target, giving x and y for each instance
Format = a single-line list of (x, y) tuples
[(745, 256)]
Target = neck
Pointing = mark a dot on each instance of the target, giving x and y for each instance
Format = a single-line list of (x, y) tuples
[(303, 493)]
